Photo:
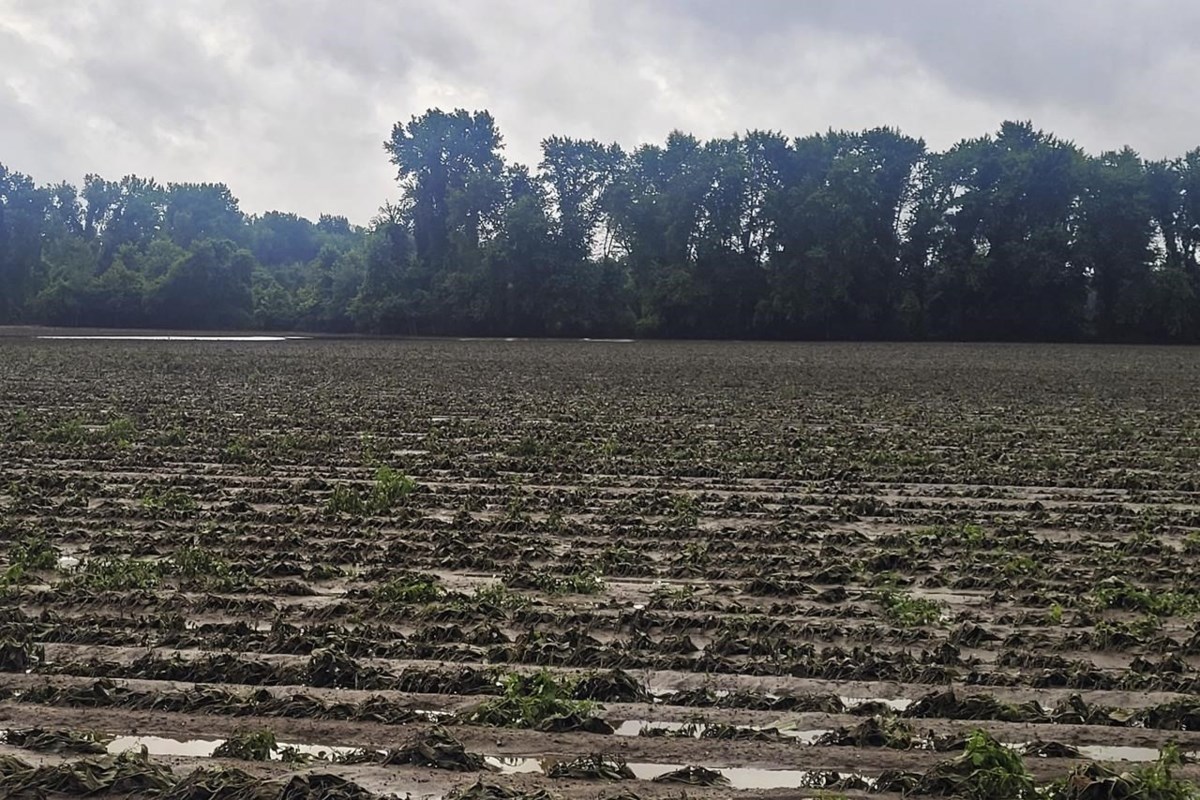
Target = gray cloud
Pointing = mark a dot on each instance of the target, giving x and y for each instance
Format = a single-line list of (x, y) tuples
[(288, 101)]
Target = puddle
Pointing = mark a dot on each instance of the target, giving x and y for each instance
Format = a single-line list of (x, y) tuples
[(648, 772), (1117, 753), (513, 765), (659, 694), (896, 704), (68, 562), (746, 777), (900, 704), (204, 748), (161, 746), (805, 737), (610, 341), (322, 751), (1111, 753), (124, 338), (739, 777), (634, 727), (753, 778)]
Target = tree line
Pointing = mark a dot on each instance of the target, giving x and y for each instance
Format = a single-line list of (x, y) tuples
[(1017, 235)]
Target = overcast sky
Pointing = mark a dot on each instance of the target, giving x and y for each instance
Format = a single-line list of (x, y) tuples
[(289, 101)]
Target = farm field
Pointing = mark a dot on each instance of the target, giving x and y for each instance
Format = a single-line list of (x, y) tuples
[(487, 569)]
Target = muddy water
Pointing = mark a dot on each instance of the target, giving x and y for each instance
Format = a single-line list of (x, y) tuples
[(896, 704), (204, 748), (167, 338), (739, 777), (512, 765), (1118, 753), (160, 746), (900, 704), (634, 727), (750, 778)]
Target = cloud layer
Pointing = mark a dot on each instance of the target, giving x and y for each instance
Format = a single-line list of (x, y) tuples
[(288, 101)]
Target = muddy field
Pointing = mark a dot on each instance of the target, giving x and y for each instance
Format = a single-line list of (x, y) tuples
[(342, 569)]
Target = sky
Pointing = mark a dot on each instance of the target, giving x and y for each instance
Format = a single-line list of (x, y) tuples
[(289, 101)]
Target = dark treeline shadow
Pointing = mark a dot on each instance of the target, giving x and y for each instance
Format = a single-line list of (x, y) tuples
[(843, 235)]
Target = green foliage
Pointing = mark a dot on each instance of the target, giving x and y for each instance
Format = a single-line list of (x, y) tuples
[(109, 573), (553, 583), (389, 490), (1115, 593), (1011, 235), (667, 595), (973, 536), (248, 746), (412, 589), (68, 431), (993, 771), (202, 567), (119, 431), (1020, 565), (345, 500), (33, 552), (172, 499), (696, 553), (500, 596), (685, 511), (903, 609), (237, 451), (370, 447), (1154, 781), (30, 553), (529, 700), (294, 755)]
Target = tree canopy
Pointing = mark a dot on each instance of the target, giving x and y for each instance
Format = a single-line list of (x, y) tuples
[(1017, 235)]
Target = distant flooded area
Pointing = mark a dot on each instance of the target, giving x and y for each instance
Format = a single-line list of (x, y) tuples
[(161, 338)]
